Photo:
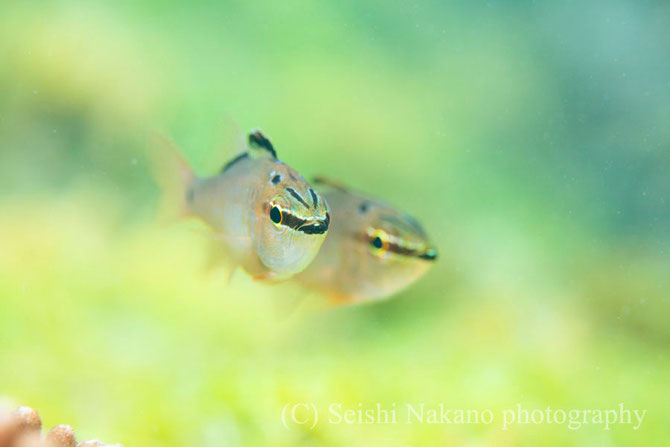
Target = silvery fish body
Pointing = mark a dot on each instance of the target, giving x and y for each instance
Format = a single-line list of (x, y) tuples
[(372, 251), (268, 218)]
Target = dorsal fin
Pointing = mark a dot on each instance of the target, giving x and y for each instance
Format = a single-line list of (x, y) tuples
[(335, 184), (242, 156), (259, 146), (259, 141)]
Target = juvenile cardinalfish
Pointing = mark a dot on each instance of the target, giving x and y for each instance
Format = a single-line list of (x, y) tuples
[(269, 220), (373, 250)]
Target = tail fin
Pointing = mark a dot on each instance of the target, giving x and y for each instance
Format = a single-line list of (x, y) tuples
[(173, 175)]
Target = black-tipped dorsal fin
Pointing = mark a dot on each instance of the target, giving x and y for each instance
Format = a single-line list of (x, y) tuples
[(335, 184), (259, 141), (259, 147)]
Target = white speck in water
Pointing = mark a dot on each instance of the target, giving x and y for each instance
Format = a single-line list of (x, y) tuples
[(133, 161), (34, 92), (597, 368)]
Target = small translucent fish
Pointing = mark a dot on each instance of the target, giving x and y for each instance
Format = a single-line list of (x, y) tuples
[(267, 218), (373, 250)]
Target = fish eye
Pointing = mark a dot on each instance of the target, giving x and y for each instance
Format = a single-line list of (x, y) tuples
[(377, 240), (275, 215), (276, 179)]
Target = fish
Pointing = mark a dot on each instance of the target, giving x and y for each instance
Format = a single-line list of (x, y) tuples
[(267, 218), (373, 250)]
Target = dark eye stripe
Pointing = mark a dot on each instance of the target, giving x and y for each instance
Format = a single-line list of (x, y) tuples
[(297, 196), (308, 227), (315, 198), (399, 249)]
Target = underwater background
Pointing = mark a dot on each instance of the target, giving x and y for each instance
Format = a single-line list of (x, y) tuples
[(531, 139)]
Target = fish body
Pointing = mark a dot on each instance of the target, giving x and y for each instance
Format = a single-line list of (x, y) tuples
[(373, 250), (269, 220)]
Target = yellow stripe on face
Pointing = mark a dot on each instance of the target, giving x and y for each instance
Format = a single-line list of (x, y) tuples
[(285, 218), (381, 243)]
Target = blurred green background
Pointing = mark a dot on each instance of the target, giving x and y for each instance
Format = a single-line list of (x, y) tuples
[(531, 138)]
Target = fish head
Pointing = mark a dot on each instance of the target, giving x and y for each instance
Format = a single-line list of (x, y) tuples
[(292, 222), (396, 249)]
